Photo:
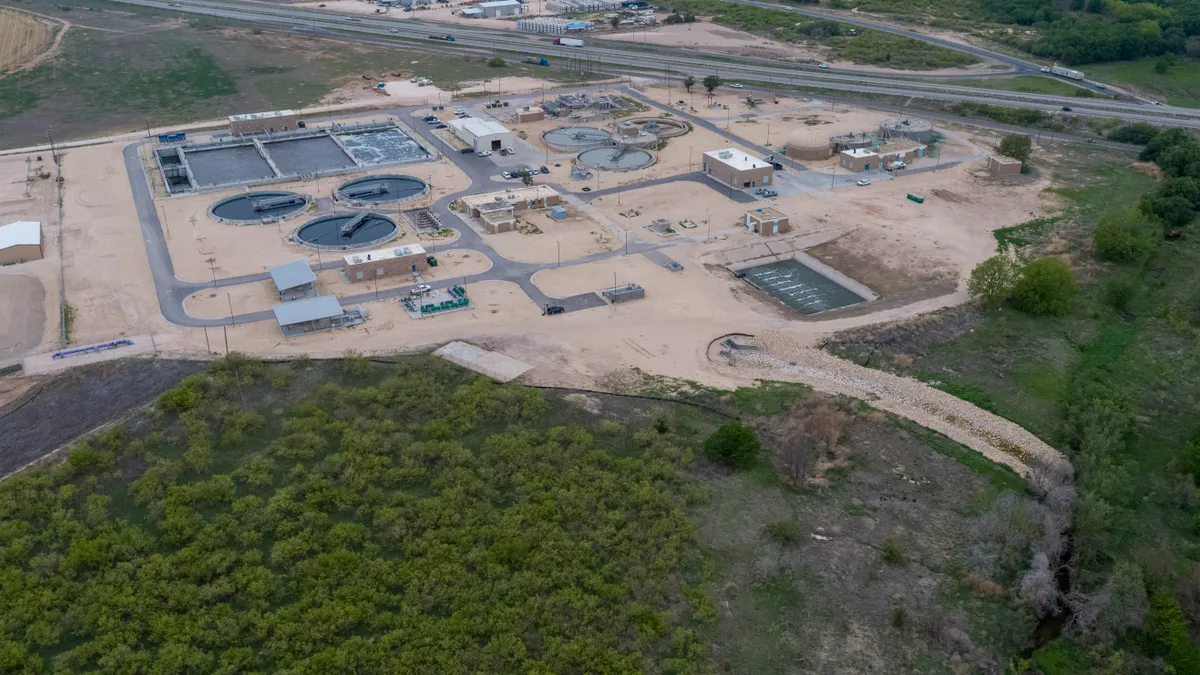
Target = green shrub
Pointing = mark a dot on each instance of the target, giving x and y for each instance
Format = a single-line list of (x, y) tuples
[(1119, 290), (993, 280), (1166, 634), (496, 62), (784, 532), (733, 444), (1045, 288), (892, 552), (179, 400), (1017, 146), (1124, 236), (355, 365)]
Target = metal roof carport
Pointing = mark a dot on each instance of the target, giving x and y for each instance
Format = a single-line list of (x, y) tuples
[(307, 316), (294, 280)]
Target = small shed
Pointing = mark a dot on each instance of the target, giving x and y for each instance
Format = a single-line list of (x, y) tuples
[(999, 165), (767, 221), (558, 212), (623, 293), (294, 280)]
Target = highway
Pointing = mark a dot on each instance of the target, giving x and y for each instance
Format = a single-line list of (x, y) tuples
[(406, 31)]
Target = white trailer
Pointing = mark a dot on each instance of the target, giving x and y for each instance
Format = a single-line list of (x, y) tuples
[(1067, 72), (569, 42)]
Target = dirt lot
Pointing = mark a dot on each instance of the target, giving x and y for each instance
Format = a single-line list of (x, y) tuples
[(544, 239), (22, 302), (22, 38)]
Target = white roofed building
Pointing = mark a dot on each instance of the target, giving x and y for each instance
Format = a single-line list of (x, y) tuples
[(20, 242), (737, 169), (482, 134)]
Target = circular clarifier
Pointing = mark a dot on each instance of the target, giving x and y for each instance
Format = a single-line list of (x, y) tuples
[(381, 189), (347, 231), (576, 138), (616, 159), (257, 208)]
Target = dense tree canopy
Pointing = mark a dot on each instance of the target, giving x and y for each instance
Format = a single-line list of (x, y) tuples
[(414, 523)]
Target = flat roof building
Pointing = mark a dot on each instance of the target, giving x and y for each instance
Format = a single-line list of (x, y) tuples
[(767, 221), (257, 123), (859, 159), (386, 262), (20, 242), (737, 169), (495, 8), (481, 134), (497, 211), (294, 280), (310, 315)]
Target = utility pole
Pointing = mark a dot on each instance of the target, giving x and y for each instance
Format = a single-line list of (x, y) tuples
[(207, 344), (833, 177), (231, 317)]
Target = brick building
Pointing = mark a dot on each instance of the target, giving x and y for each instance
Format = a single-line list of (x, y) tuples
[(386, 262)]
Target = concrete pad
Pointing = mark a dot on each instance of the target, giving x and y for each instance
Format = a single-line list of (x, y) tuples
[(493, 364), (46, 363)]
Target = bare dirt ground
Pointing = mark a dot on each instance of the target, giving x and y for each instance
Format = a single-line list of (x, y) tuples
[(55, 411), (24, 39), (22, 299), (544, 239)]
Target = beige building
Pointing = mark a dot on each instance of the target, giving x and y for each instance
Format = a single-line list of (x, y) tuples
[(767, 221), (807, 145), (858, 159), (999, 165), (20, 242), (395, 261), (531, 113), (737, 169), (257, 123), (901, 150), (497, 211)]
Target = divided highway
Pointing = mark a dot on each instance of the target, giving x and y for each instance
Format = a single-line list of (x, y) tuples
[(407, 31)]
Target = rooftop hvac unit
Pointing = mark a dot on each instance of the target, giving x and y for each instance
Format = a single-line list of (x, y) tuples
[(725, 154)]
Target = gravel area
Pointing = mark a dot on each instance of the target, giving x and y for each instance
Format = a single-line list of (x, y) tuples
[(780, 358)]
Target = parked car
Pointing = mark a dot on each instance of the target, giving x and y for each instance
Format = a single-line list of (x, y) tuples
[(484, 153), (420, 289), (508, 175), (864, 181), (769, 193), (759, 191), (507, 151), (554, 309), (544, 170), (431, 119), (460, 113), (440, 126), (467, 151)]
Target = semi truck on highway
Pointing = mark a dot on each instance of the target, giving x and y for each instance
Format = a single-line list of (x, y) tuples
[(1069, 73), (569, 42), (537, 62), (447, 38)]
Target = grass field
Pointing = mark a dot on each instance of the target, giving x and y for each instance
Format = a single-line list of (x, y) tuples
[(22, 37), (1025, 83), (1180, 85), (144, 65)]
